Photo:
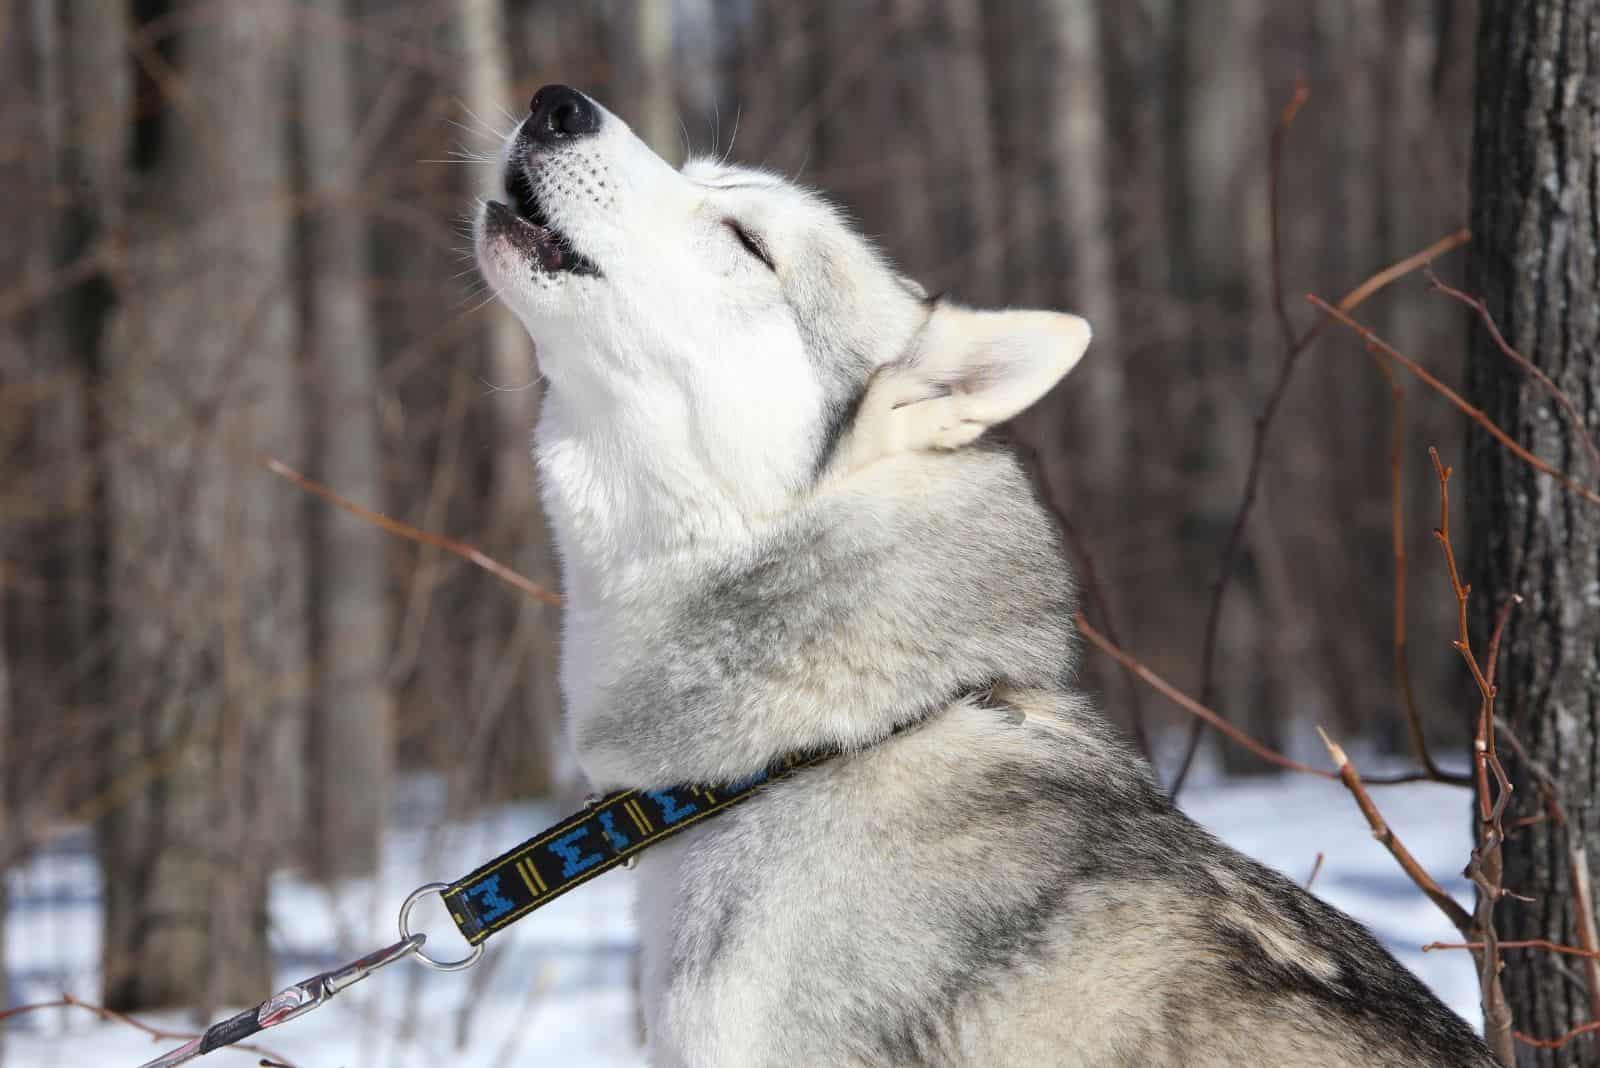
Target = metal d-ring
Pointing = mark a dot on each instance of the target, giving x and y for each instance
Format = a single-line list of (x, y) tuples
[(405, 932)]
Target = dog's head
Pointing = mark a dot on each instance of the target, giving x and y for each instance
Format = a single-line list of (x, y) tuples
[(727, 329)]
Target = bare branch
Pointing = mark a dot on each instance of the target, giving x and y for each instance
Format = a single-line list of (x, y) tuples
[(1190, 705), (405, 530), (1387, 838), (1486, 868), (1316, 869), (1477, 304), (1474, 413), (1230, 552), (1526, 943), (1132, 664), (1559, 1040), (1402, 661)]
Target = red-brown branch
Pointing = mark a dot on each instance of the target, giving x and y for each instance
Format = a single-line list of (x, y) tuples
[(1559, 1040), (1316, 869), (1138, 669), (1524, 943), (1390, 841), (1486, 867), (406, 530), (1397, 542), (1470, 411), (1280, 133), (1295, 347), (1561, 398), (1190, 705)]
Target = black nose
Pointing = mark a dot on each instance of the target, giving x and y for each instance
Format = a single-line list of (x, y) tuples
[(560, 113)]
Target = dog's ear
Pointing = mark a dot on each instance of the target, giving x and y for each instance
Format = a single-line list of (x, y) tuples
[(967, 371)]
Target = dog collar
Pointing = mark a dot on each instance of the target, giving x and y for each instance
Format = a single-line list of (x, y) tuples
[(609, 833)]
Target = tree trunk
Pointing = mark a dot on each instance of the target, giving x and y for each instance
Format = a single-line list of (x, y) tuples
[(351, 750), (15, 75), (62, 205), (1535, 257), (206, 571), (515, 695), (647, 100), (1077, 142), (1221, 262)]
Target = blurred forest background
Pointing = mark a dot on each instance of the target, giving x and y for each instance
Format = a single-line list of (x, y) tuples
[(237, 230)]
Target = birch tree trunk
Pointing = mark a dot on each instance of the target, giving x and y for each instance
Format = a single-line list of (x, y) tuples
[(1535, 257), (206, 572), (351, 744)]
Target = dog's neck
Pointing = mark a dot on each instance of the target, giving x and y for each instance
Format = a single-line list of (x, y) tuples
[(630, 491)]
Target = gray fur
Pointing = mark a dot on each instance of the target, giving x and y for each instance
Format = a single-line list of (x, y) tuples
[(976, 890), (764, 554), (710, 684)]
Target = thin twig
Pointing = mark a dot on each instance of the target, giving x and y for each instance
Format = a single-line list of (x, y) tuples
[(1559, 1040), (1316, 869), (1523, 943), (1093, 588), (1478, 305), (405, 530), (1137, 667), (1230, 552), (1297, 100), (1397, 539), (1193, 707), (1102, 608), (1390, 841), (1474, 413), (1583, 907), (1291, 354), (1486, 867)]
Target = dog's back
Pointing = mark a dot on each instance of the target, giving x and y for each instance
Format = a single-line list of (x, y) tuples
[(1000, 883)]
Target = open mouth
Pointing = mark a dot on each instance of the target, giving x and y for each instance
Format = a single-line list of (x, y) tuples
[(525, 221)]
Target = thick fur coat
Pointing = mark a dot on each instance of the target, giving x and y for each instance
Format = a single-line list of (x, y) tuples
[(782, 530)]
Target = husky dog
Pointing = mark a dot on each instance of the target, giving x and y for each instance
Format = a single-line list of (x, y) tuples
[(782, 531)]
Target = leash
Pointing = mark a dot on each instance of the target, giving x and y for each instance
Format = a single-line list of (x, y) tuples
[(610, 832)]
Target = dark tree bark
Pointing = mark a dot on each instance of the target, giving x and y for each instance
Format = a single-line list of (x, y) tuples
[(1536, 259)]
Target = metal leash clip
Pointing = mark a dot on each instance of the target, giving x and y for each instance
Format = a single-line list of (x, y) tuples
[(289, 1003)]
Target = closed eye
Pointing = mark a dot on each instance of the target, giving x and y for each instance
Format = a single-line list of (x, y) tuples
[(752, 244)]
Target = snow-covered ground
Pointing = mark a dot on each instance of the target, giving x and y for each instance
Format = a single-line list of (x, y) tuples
[(555, 990)]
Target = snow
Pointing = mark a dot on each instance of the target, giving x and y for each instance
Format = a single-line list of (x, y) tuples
[(555, 989)]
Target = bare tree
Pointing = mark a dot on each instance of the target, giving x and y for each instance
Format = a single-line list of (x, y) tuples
[(351, 744), (1535, 258), (206, 569)]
